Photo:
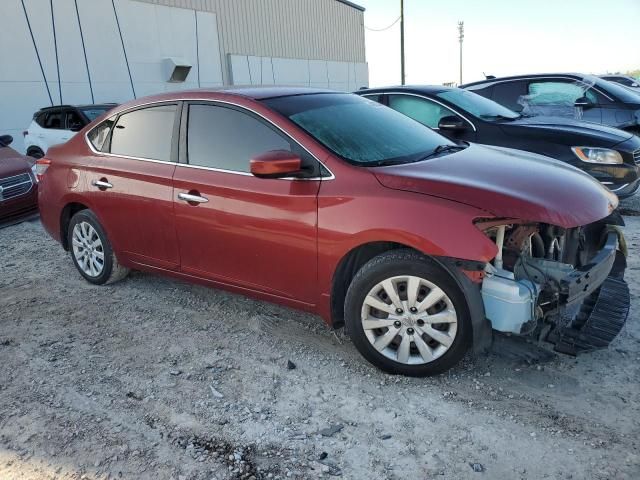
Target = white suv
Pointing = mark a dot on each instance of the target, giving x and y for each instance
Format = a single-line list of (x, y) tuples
[(53, 125)]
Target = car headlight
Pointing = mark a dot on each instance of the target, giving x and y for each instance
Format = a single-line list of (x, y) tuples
[(598, 155)]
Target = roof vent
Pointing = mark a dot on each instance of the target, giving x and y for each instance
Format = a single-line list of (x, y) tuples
[(176, 69)]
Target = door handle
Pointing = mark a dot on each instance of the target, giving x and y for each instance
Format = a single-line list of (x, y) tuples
[(101, 184), (189, 198)]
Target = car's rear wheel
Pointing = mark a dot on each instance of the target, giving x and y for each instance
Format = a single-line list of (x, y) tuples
[(91, 250), (407, 315)]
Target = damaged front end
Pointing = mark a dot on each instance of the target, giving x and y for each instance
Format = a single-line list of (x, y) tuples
[(561, 285)]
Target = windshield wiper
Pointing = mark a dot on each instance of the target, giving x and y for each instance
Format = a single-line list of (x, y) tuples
[(442, 149)]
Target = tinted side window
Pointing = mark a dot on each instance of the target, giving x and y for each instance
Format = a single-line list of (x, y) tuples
[(41, 119), (424, 111), (225, 138), (74, 120), (54, 120), (508, 94), (145, 133), (99, 134)]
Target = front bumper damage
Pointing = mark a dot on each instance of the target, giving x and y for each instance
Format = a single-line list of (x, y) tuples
[(577, 309), (592, 301)]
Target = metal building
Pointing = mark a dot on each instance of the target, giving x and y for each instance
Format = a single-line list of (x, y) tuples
[(92, 51)]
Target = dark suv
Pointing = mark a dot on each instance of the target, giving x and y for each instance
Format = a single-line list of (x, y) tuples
[(608, 154), (583, 97)]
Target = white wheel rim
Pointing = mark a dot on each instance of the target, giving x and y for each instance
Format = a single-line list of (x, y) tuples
[(88, 249), (409, 320)]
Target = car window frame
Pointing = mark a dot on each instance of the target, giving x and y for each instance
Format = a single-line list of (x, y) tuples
[(323, 172), (174, 136)]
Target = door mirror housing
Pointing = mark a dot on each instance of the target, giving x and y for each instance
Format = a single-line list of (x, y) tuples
[(584, 102), (76, 127), (275, 164), (452, 123), (5, 140)]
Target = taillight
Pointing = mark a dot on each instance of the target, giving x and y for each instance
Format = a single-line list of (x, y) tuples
[(41, 166)]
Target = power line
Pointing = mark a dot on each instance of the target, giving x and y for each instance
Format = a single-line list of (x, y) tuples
[(383, 29)]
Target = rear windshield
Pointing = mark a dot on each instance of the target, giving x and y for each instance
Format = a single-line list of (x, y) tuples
[(359, 130), (94, 112)]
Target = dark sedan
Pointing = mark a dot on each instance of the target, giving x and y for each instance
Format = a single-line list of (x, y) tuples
[(18, 187), (608, 154), (584, 97)]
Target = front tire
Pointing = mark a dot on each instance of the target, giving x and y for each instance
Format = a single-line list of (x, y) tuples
[(91, 250), (407, 315)]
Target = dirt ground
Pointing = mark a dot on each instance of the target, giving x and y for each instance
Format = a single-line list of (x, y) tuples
[(154, 379)]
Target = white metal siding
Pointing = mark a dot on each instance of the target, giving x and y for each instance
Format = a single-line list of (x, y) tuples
[(303, 29)]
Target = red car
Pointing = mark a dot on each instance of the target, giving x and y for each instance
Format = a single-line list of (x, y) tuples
[(334, 204), (18, 187)]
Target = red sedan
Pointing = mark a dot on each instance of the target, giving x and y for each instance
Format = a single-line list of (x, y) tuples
[(336, 205), (18, 187)]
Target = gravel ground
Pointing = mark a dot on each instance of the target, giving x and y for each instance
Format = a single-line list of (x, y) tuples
[(154, 379)]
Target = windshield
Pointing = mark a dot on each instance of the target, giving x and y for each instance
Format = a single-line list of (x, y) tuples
[(361, 131), (94, 112), (477, 105), (619, 91)]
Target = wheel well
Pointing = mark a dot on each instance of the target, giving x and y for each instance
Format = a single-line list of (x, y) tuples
[(34, 149), (347, 269), (67, 214)]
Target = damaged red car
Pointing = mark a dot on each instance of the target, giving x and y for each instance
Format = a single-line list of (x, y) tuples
[(336, 205)]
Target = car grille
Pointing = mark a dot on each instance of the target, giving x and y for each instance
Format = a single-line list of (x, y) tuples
[(636, 156), (11, 187)]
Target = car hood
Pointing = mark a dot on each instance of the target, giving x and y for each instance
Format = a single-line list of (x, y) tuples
[(506, 183), (566, 131), (12, 163)]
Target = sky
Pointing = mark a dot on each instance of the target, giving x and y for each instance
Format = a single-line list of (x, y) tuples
[(502, 37)]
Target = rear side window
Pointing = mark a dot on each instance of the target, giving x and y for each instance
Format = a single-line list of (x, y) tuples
[(54, 120), (73, 120), (98, 135), (508, 94), (146, 133), (225, 138)]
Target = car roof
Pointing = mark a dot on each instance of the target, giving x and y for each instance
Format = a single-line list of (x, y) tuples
[(489, 81), (90, 105), (417, 89)]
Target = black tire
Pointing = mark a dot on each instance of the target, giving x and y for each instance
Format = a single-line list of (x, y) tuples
[(398, 263), (112, 271), (35, 152)]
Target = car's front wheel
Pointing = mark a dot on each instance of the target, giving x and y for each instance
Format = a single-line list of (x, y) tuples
[(91, 250), (407, 315)]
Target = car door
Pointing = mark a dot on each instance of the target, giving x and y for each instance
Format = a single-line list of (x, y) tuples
[(557, 97), (131, 184), (260, 234), (429, 113)]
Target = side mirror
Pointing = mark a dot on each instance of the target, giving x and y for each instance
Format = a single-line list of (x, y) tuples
[(584, 102), (76, 127), (452, 123), (5, 140), (275, 164)]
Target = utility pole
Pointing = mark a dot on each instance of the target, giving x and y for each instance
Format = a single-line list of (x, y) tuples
[(402, 76), (461, 39)]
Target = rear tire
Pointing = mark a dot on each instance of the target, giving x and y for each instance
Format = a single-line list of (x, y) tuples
[(407, 315), (91, 250)]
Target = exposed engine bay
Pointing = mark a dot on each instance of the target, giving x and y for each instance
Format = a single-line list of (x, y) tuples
[(565, 286)]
